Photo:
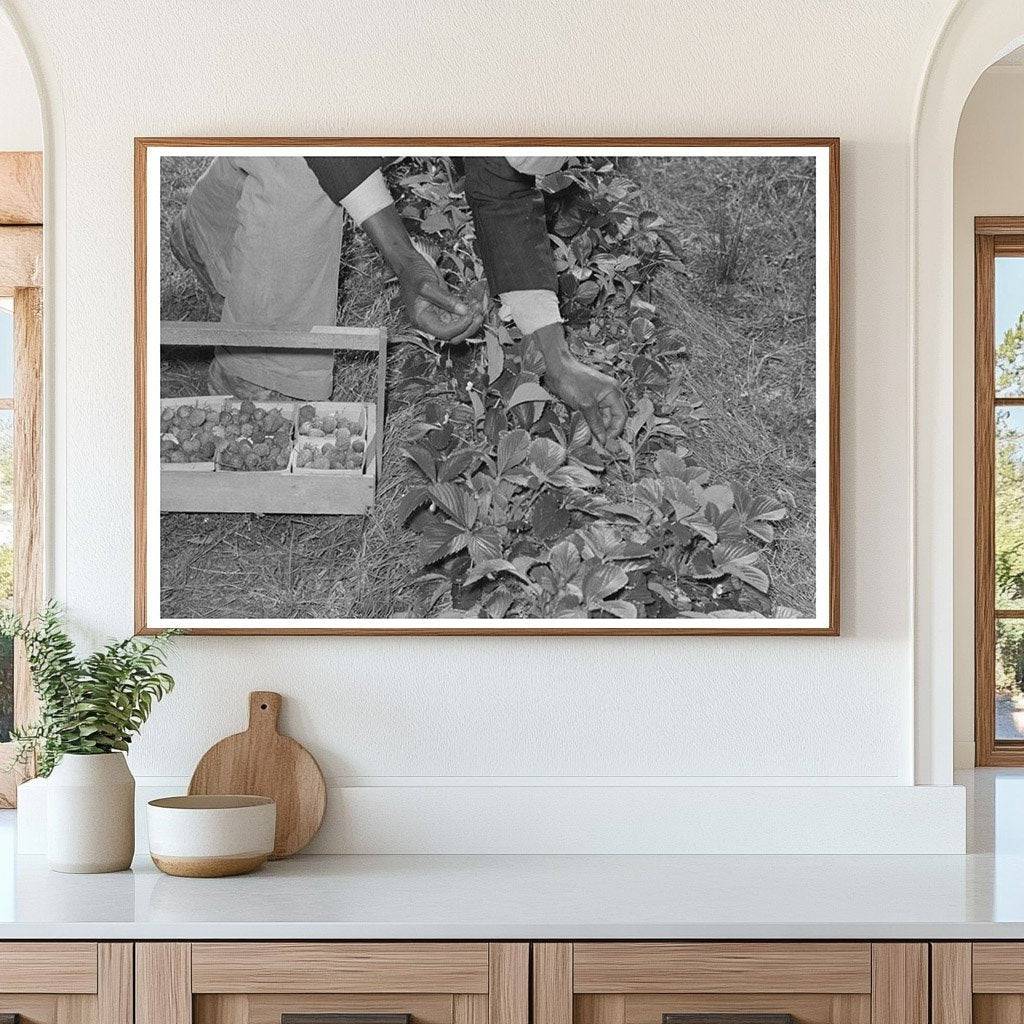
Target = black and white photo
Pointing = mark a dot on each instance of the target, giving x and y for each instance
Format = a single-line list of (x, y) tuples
[(458, 387)]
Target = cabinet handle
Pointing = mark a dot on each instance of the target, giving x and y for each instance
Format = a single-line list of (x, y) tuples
[(728, 1018), (337, 1018)]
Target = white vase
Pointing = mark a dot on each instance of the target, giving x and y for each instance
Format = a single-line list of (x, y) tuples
[(90, 814)]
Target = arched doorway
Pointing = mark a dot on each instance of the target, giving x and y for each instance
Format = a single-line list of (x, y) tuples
[(975, 35)]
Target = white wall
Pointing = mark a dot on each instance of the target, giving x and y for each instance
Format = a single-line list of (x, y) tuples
[(21, 125), (988, 181), (444, 713)]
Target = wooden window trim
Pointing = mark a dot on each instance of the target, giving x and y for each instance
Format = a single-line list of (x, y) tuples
[(21, 233), (993, 236)]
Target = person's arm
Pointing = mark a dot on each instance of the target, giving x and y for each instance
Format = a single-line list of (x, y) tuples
[(357, 184), (512, 238), (429, 303)]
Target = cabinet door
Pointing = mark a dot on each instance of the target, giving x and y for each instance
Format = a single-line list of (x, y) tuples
[(332, 983), (737, 982), (66, 982), (980, 982)]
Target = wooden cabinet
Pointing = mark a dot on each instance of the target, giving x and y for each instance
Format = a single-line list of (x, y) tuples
[(260, 982), (646, 982), (66, 982), (494, 983)]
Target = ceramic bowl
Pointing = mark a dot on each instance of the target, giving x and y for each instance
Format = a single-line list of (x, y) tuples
[(211, 836)]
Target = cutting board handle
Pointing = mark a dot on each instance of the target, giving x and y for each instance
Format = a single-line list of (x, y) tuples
[(264, 710)]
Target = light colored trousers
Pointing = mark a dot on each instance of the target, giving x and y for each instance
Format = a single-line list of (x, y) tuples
[(271, 241)]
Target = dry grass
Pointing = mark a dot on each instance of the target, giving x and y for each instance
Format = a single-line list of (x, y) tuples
[(743, 306), (746, 308)]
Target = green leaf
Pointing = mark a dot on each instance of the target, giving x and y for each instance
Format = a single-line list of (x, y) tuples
[(423, 460), (492, 567), (414, 500), (762, 531), (600, 581), (719, 495), (573, 476), (454, 500), (439, 540), (564, 560), (495, 358), (89, 705), (548, 518), (669, 464), (513, 447), (461, 463), (620, 609), (546, 456), (641, 418), (479, 410), (530, 391), (749, 574), (641, 329), (499, 603), (766, 509), (484, 545)]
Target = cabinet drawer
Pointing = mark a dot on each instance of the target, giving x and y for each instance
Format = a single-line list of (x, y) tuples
[(262, 982), (340, 967), (48, 967), (629, 967), (998, 967), (736, 982)]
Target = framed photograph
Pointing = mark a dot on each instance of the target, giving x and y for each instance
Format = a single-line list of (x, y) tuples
[(487, 386)]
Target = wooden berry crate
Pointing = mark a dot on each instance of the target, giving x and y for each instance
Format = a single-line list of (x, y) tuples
[(206, 487)]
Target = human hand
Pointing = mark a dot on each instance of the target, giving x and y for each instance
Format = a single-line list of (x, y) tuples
[(593, 393), (581, 387), (432, 307)]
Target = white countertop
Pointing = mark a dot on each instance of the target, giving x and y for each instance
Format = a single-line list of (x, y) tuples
[(532, 897), (978, 896)]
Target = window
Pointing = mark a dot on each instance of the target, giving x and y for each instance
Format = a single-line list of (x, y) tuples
[(999, 490), (21, 349), (20, 493)]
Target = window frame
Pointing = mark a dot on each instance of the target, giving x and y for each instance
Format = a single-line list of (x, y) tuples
[(993, 237), (21, 252)]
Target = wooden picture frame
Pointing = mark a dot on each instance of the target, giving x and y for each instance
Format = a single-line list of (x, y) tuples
[(825, 621)]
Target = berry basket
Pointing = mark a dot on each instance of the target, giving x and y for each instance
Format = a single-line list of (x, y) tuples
[(331, 437), (172, 429)]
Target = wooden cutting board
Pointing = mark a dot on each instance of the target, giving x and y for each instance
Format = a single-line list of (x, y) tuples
[(262, 762)]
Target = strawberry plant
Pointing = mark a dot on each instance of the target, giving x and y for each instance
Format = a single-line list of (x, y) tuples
[(517, 512)]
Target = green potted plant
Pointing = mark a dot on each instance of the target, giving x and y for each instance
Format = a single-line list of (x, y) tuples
[(89, 710)]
